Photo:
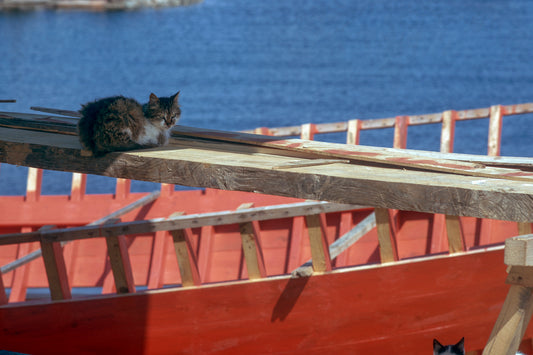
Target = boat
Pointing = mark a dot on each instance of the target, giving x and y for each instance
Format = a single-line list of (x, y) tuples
[(256, 261)]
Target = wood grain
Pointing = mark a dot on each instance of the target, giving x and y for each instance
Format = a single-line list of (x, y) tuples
[(224, 168)]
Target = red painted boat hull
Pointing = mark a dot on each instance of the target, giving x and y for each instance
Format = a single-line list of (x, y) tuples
[(382, 309)]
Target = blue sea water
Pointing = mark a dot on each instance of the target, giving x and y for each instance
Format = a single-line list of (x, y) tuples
[(243, 64)]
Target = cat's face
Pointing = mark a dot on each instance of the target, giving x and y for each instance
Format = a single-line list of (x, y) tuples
[(163, 111), (457, 349)]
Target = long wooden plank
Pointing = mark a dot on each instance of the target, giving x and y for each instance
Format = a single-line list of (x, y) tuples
[(389, 157), (179, 222), (236, 170), (386, 157)]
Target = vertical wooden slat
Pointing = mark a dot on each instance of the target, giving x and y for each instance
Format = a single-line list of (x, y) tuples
[(456, 242), (122, 188), (34, 184), (205, 251), (296, 244), (524, 228), (308, 131), (319, 245), (157, 260), (354, 131), (56, 270), (120, 262), (345, 225), (494, 143), (495, 130), (387, 244), (400, 132), (187, 264), (78, 187), (454, 233), (448, 131), (251, 246), (19, 282)]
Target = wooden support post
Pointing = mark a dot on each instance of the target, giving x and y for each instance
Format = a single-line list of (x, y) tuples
[(157, 260), (251, 246), (20, 277), (122, 189), (34, 184), (495, 130), (78, 188), (524, 228), (518, 306), (319, 244), (205, 252), (354, 132), (186, 259), (387, 243), (56, 270), (456, 241), (308, 131), (400, 132), (120, 262)]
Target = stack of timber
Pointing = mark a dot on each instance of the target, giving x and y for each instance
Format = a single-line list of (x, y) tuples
[(376, 269)]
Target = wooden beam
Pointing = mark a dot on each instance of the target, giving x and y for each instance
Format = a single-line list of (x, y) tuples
[(178, 222), (318, 242), (187, 263), (120, 262), (251, 246), (348, 183), (387, 242), (56, 270), (456, 244), (511, 323)]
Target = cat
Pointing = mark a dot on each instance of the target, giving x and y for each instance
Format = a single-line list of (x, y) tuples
[(457, 349), (118, 123)]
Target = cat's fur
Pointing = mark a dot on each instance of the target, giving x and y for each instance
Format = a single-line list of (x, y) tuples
[(457, 349), (120, 123)]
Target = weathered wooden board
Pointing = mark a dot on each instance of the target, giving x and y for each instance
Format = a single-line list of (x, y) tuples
[(237, 167)]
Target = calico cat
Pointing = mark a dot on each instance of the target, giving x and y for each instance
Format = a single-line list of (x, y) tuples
[(118, 123), (457, 349)]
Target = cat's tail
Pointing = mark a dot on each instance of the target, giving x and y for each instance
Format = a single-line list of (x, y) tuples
[(86, 127)]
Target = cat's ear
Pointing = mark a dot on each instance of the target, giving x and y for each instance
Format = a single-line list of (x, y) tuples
[(461, 344), (436, 346), (153, 99), (175, 98)]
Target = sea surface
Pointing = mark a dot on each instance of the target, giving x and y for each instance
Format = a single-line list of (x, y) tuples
[(242, 64)]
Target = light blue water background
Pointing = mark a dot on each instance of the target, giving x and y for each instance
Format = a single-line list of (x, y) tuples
[(241, 64)]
